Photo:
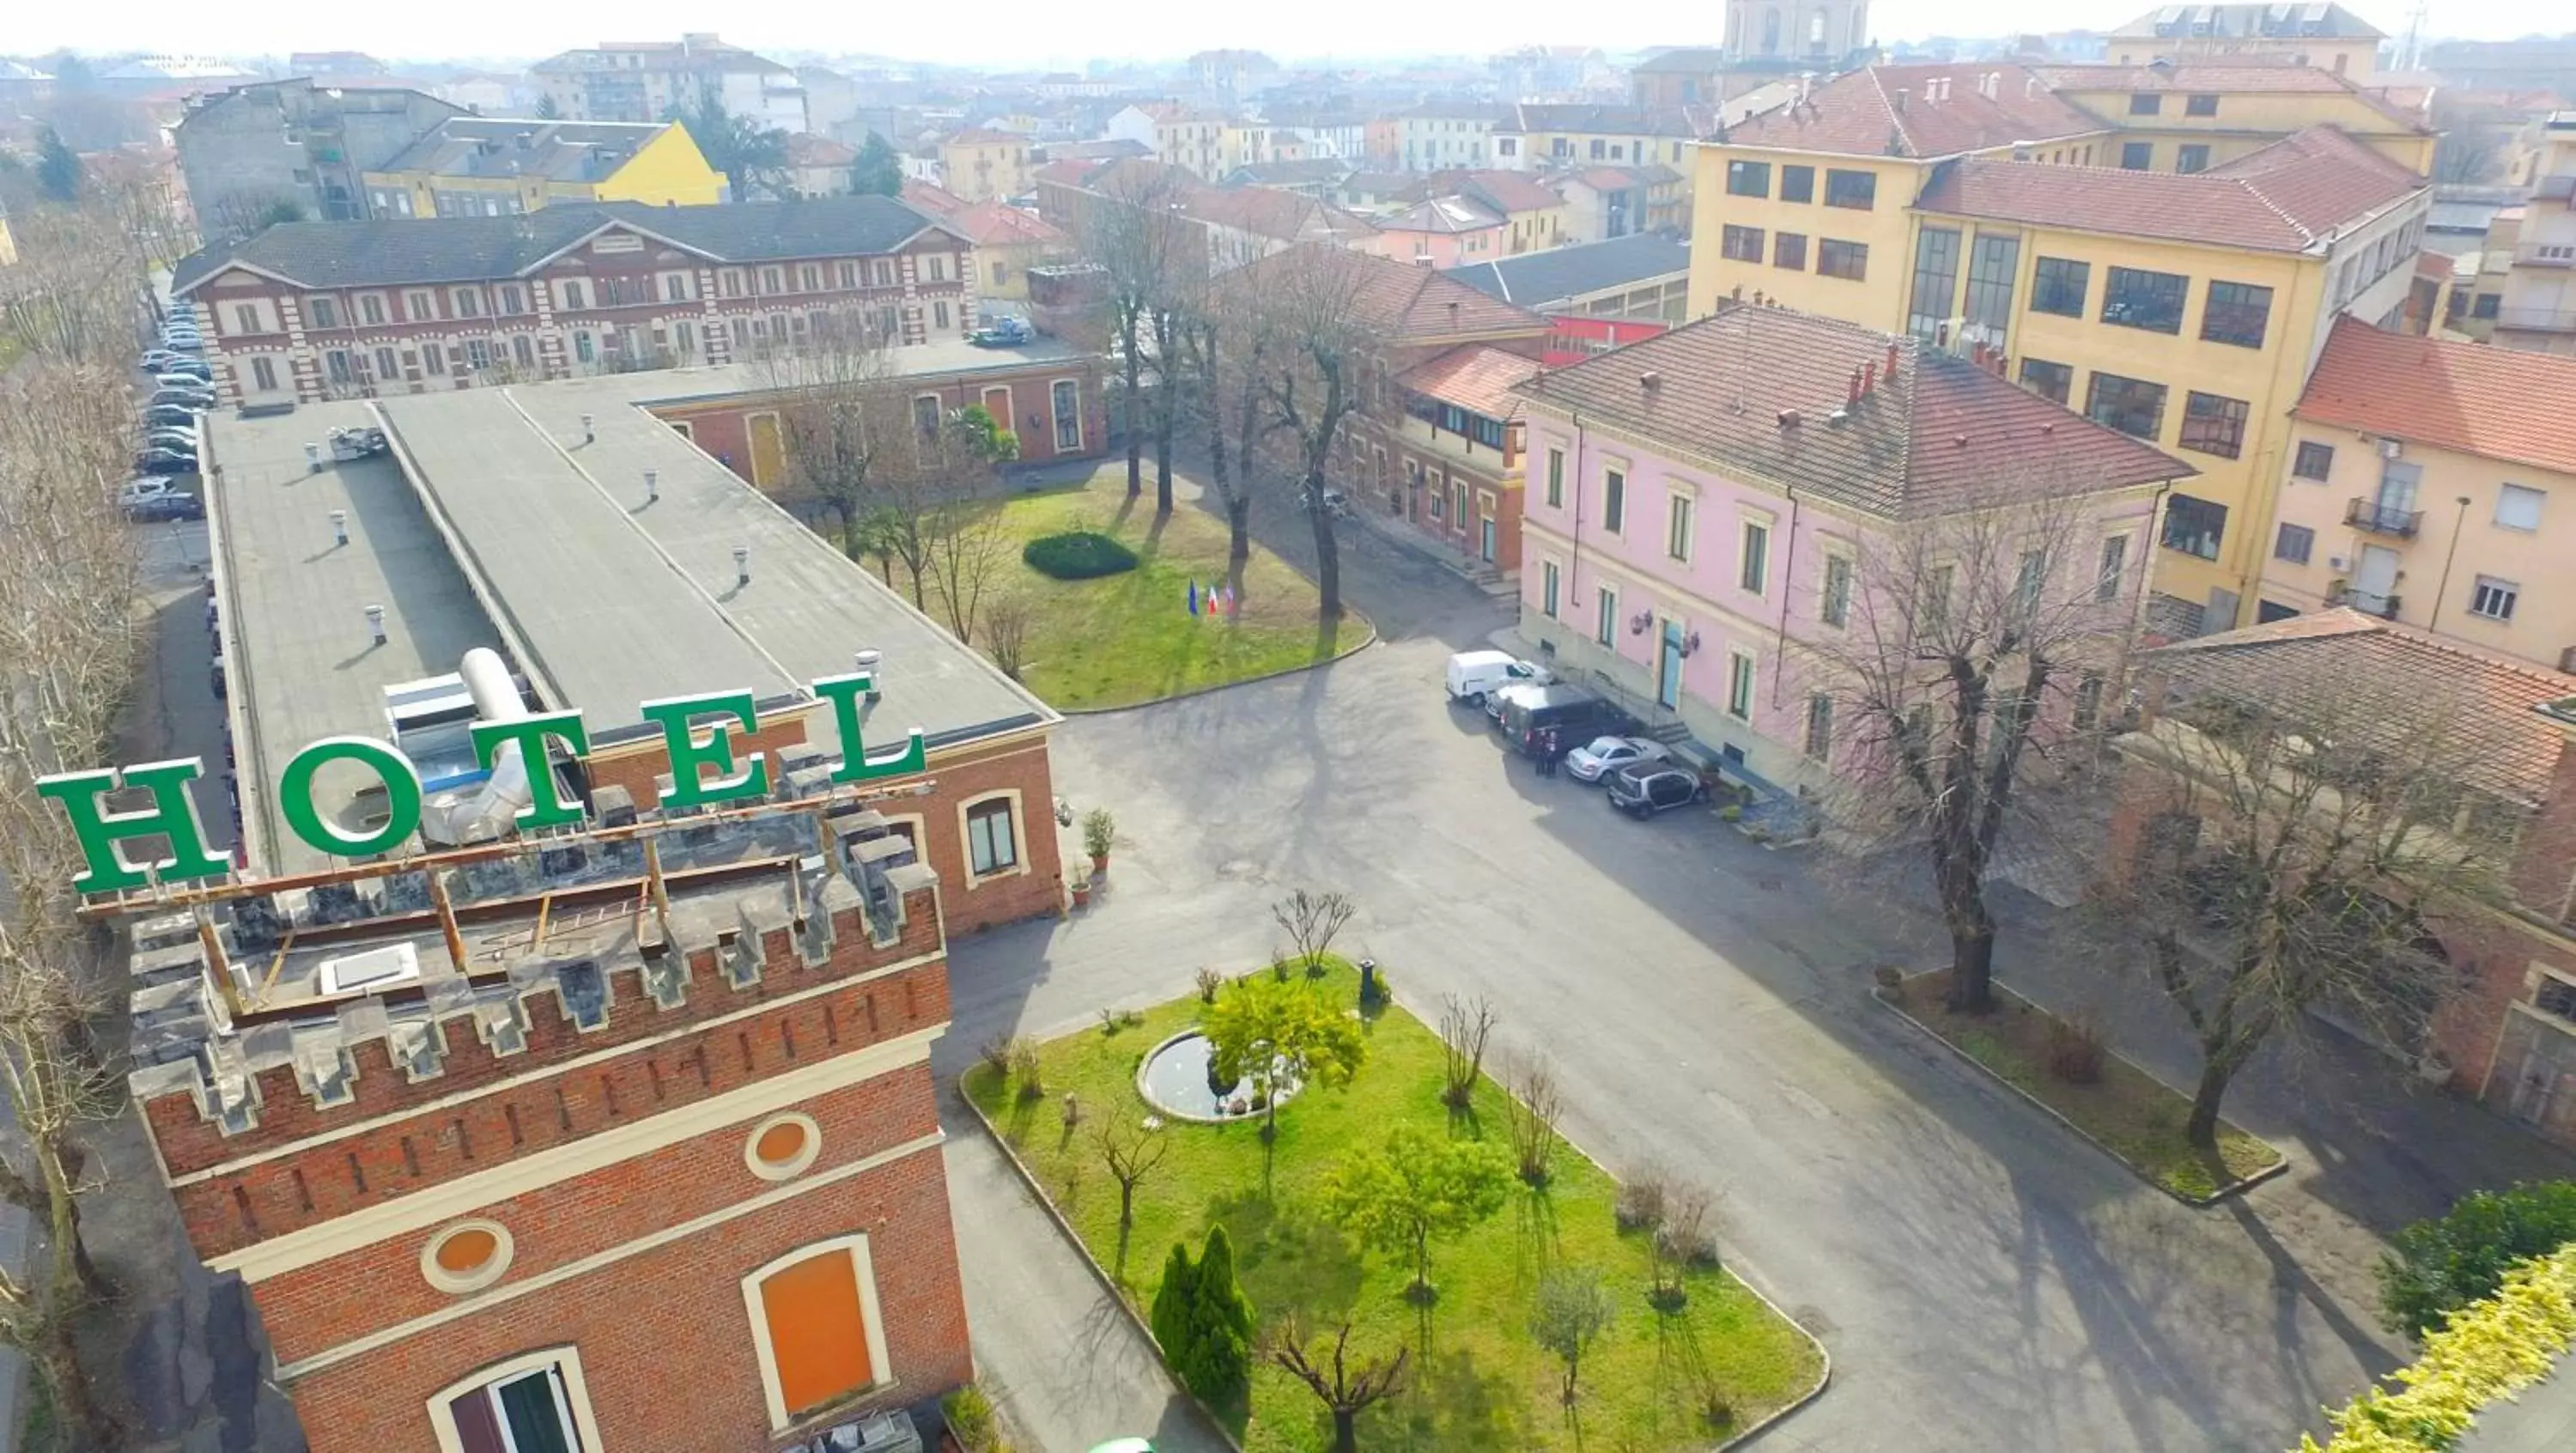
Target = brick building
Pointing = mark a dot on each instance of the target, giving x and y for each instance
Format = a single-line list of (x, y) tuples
[(2505, 1033), (310, 311)]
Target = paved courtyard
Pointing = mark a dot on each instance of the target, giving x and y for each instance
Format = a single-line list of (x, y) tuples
[(1982, 1280)]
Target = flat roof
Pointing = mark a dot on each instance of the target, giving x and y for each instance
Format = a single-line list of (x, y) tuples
[(495, 522)]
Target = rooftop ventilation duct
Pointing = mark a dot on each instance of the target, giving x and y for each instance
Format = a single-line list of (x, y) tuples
[(484, 811)]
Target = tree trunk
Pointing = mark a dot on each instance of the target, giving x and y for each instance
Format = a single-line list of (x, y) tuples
[(1972, 965), (1127, 412), (1238, 525), (1126, 1203), (86, 1427), (1346, 1437), (2216, 1072), (1328, 550), (1571, 1364)]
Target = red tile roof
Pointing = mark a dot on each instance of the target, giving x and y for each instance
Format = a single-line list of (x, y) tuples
[(999, 224), (805, 149), (984, 136), (1404, 304), (1891, 111), (1940, 435), (2284, 198), (936, 200), (1476, 377), (1266, 212), (2496, 403), (2390, 682)]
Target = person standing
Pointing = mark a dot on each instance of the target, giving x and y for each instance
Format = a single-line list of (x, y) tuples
[(1546, 751)]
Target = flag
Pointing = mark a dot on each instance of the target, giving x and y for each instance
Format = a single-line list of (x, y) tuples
[(1194, 597)]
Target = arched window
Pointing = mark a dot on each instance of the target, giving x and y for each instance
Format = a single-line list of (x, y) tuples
[(816, 1326), (1816, 30), (1771, 31)]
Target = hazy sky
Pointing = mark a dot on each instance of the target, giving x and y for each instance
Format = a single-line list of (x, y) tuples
[(1021, 32)]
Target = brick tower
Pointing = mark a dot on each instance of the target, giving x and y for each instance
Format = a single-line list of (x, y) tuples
[(623, 1140)]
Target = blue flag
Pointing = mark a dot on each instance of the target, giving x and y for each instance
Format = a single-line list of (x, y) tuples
[(1194, 597)]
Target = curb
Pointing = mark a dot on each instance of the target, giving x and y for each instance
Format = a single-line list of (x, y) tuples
[(2198, 1203), (1367, 639), (1099, 1274)]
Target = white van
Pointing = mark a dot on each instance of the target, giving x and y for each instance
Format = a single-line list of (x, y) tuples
[(1474, 673)]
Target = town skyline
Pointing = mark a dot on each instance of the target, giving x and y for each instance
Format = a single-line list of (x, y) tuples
[(1020, 35)]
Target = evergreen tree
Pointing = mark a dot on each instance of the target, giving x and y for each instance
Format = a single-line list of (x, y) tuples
[(58, 169), (878, 172), (1176, 1306), (1221, 1350)]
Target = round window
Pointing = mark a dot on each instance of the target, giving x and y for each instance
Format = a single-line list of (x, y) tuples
[(466, 1257), (782, 1146)]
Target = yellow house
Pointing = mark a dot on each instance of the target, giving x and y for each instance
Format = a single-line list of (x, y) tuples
[(2422, 486), (983, 165), (2194, 115), (477, 166), (2182, 307)]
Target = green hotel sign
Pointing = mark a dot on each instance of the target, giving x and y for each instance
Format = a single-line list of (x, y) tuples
[(699, 733)]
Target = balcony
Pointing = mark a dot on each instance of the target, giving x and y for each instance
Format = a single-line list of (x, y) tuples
[(2555, 189), (2382, 606), (2373, 518), (2538, 320)]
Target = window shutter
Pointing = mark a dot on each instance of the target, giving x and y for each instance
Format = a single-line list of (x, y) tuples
[(817, 1339)]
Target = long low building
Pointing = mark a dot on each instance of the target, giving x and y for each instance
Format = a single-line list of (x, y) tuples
[(307, 311), (612, 563)]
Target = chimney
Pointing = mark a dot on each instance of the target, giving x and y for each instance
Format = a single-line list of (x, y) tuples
[(1901, 94), (586, 434), (1891, 360), (376, 623), (871, 663), (741, 565), (1854, 396), (1788, 418), (2029, 87), (339, 527), (1869, 377), (652, 485), (1650, 380)]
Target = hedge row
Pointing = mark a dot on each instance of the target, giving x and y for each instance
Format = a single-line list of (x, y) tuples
[(1080, 555), (2488, 1350)]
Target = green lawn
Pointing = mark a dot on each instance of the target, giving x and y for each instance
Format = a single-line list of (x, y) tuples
[(1129, 638), (2139, 1117), (1477, 1382)]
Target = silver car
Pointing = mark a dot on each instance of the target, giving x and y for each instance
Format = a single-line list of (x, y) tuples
[(1601, 756)]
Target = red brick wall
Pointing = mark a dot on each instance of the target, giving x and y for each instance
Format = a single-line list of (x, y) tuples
[(664, 1337), (325, 1305), (287, 1115), (720, 428), (635, 770), (962, 780)]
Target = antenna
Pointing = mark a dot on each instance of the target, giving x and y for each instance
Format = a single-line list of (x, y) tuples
[(2410, 51)]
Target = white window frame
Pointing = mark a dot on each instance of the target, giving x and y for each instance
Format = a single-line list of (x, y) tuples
[(2509, 590), (1056, 407), (1620, 468), (565, 1359), (1551, 589), (966, 838), (371, 309), (1681, 521), (2110, 585), (1743, 665), (1836, 552), (871, 1322), (2508, 490), (1747, 521)]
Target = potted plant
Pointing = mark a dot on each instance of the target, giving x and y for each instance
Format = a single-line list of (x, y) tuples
[(1099, 831), (1081, 892)]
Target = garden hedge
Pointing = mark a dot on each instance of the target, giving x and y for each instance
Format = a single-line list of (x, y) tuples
[(1078, 555), (2487, 1350)]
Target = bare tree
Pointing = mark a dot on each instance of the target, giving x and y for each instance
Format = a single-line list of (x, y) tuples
[(69, 637), (80, 289), (2304, 830), (1132, 228), (1465, 1026), (1684, 1237), (1345, 1392), (1007, 618), (1965, 659), (1317, 345), (1226, 382), (1131, 1153), (1533, 1108), (1312, 920), (838, 406)]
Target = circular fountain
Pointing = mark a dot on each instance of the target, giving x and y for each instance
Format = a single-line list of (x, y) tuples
[(1176, 1079)]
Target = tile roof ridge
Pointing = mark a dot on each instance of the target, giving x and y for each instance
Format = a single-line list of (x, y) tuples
[(2275, 208), (1895, 114)]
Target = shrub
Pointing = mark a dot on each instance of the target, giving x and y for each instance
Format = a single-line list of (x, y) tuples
[(1099, 832), (1888, 977), (2075, 1049), (1031, 1070), (2435, 1266), (1077, 555), (1209, 981), (998, 1053), (1730, 813), (969, 1415), (2486, 1350), (1641, 1200), (1203, 1322)]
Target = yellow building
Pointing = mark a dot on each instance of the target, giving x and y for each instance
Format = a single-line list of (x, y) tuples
[(2535, 300), (476, 166), (2422, 486), (2192, 116), (984, 165), (1980, 210), (2324, 36)]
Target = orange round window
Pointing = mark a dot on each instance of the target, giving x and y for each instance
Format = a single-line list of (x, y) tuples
[(466, 1252), (782, 1146)]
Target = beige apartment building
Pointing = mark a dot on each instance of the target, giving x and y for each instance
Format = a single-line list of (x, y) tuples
[(2430, 483), (2535, 304)]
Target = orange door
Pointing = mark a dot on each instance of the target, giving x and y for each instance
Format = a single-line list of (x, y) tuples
[(818, 1340)]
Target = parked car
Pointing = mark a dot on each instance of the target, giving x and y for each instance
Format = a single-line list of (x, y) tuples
[(191, 393), (179, 436), (188, 382), (141, 488), (1473, 673), (1576, 714), (1645, 789), (170, 504), (170, 416), (164, 461), (160, 360), (1601, 756), (186, 368), (1003, 332)]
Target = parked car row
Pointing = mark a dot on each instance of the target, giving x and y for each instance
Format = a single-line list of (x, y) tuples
[(183, 388), (1525, 702)]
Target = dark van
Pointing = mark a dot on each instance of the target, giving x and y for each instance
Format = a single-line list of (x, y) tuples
[(1577, 715)]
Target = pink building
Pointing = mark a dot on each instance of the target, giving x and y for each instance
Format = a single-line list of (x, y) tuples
[(1443, 232), (1698, 506)]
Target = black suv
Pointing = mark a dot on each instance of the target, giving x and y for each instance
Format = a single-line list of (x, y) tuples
[(1643, 789), (1577, 715)]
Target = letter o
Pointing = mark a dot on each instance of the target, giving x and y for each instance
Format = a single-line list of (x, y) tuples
[(402, 796)]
